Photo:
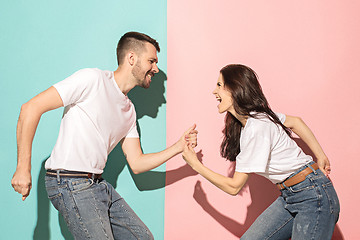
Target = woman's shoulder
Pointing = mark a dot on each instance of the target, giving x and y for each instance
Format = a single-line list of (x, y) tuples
[(260, 123)]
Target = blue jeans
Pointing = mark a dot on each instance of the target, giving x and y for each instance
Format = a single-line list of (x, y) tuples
[(93, 209), (307, 210)]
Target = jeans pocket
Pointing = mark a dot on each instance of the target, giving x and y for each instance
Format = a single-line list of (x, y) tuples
[(82, 184), (302, 186), (332, 197), (57, 201)]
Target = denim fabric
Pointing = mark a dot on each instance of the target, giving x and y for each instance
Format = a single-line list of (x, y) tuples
[(93, 209), (307, 210)]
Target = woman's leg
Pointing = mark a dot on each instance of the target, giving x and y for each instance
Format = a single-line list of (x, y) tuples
[(316, 215), (274, 223)]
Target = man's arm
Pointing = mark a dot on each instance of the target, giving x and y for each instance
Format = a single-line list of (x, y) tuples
[(29, 118), (140, 162), (298, 126)]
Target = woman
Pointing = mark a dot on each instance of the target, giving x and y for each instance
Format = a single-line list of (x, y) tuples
[(308, 207)]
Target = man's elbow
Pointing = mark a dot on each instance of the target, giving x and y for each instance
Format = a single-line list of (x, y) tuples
[(135, 168), (136, 171), (29, 108), (25, 108)]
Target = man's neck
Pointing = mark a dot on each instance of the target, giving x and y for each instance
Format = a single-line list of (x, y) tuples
[(124, 80)]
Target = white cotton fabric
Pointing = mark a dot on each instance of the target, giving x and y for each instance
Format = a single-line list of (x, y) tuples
[(96, 117), (267, 150)]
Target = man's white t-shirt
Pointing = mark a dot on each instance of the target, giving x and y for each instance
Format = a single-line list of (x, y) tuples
[(267, 150), (96, 117)]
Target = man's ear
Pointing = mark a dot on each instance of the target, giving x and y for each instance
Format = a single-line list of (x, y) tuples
[(131, 58)]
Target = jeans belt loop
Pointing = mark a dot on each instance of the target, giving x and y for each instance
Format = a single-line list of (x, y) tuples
[(58, 176), (314, 171)]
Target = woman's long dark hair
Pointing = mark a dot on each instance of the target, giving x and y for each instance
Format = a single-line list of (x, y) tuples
[(248, 100)]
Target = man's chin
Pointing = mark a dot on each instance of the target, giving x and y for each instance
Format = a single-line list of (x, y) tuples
[(146, 86)]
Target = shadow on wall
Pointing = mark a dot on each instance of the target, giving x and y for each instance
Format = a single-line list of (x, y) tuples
[(263, 193), (147, 103)]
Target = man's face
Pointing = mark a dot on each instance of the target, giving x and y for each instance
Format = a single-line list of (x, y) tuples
[(145, 66)]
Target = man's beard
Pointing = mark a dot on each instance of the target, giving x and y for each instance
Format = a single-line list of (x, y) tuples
[(140, 78)]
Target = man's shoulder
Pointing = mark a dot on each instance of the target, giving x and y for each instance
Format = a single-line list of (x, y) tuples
[(94, 74), (95, 71)]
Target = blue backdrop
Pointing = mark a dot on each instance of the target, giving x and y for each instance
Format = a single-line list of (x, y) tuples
[(43, 42)]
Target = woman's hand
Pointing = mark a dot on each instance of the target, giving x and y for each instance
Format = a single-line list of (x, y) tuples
[(190, 156), (324, 165)]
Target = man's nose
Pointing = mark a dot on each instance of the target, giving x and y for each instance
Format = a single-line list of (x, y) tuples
[(155, 68)]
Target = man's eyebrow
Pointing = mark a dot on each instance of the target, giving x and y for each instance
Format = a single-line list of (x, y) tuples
[(154, 59)]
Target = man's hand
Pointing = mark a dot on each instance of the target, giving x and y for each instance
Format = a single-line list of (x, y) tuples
[(189, 137), (21, 182)]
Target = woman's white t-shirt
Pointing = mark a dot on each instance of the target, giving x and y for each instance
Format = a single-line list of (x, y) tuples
[(267, 150), (96, 117)]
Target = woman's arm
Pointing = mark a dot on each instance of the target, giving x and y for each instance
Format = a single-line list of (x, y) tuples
[(298, 126), (229, 185)]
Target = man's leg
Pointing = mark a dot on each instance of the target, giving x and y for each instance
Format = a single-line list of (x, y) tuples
[(126, 225), (84, 205)]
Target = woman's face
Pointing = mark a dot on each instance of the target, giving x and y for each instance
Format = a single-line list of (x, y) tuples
[(223, 96)]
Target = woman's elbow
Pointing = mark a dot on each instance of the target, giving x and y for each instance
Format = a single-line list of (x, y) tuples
[(292, 122), (234, 191)]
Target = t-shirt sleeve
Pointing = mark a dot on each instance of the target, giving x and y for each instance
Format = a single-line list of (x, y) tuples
[(282, 117), (78, 87), (133, 133), (254, 155)]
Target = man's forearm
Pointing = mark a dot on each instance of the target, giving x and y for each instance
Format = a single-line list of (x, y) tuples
[(146, 162), (25, 132)]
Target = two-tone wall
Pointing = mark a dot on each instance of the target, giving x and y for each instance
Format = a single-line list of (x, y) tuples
[(305, 53)]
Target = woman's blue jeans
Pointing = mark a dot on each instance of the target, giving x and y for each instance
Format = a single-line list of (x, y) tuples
[(93, 209), (307, 210)]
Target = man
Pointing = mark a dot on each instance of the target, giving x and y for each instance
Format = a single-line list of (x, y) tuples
[(97, 116)]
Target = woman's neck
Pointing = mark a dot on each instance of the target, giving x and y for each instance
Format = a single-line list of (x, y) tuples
[(240, 117)]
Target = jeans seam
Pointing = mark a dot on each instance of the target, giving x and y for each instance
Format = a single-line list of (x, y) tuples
[(77, 214), (99, 215), (272, 234), (318, 211), (128, 228)]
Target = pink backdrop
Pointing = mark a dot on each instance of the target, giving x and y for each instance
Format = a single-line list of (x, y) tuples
[(307, 57)]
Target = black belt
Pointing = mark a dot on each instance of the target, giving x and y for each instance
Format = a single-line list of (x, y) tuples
[(65, 173)]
